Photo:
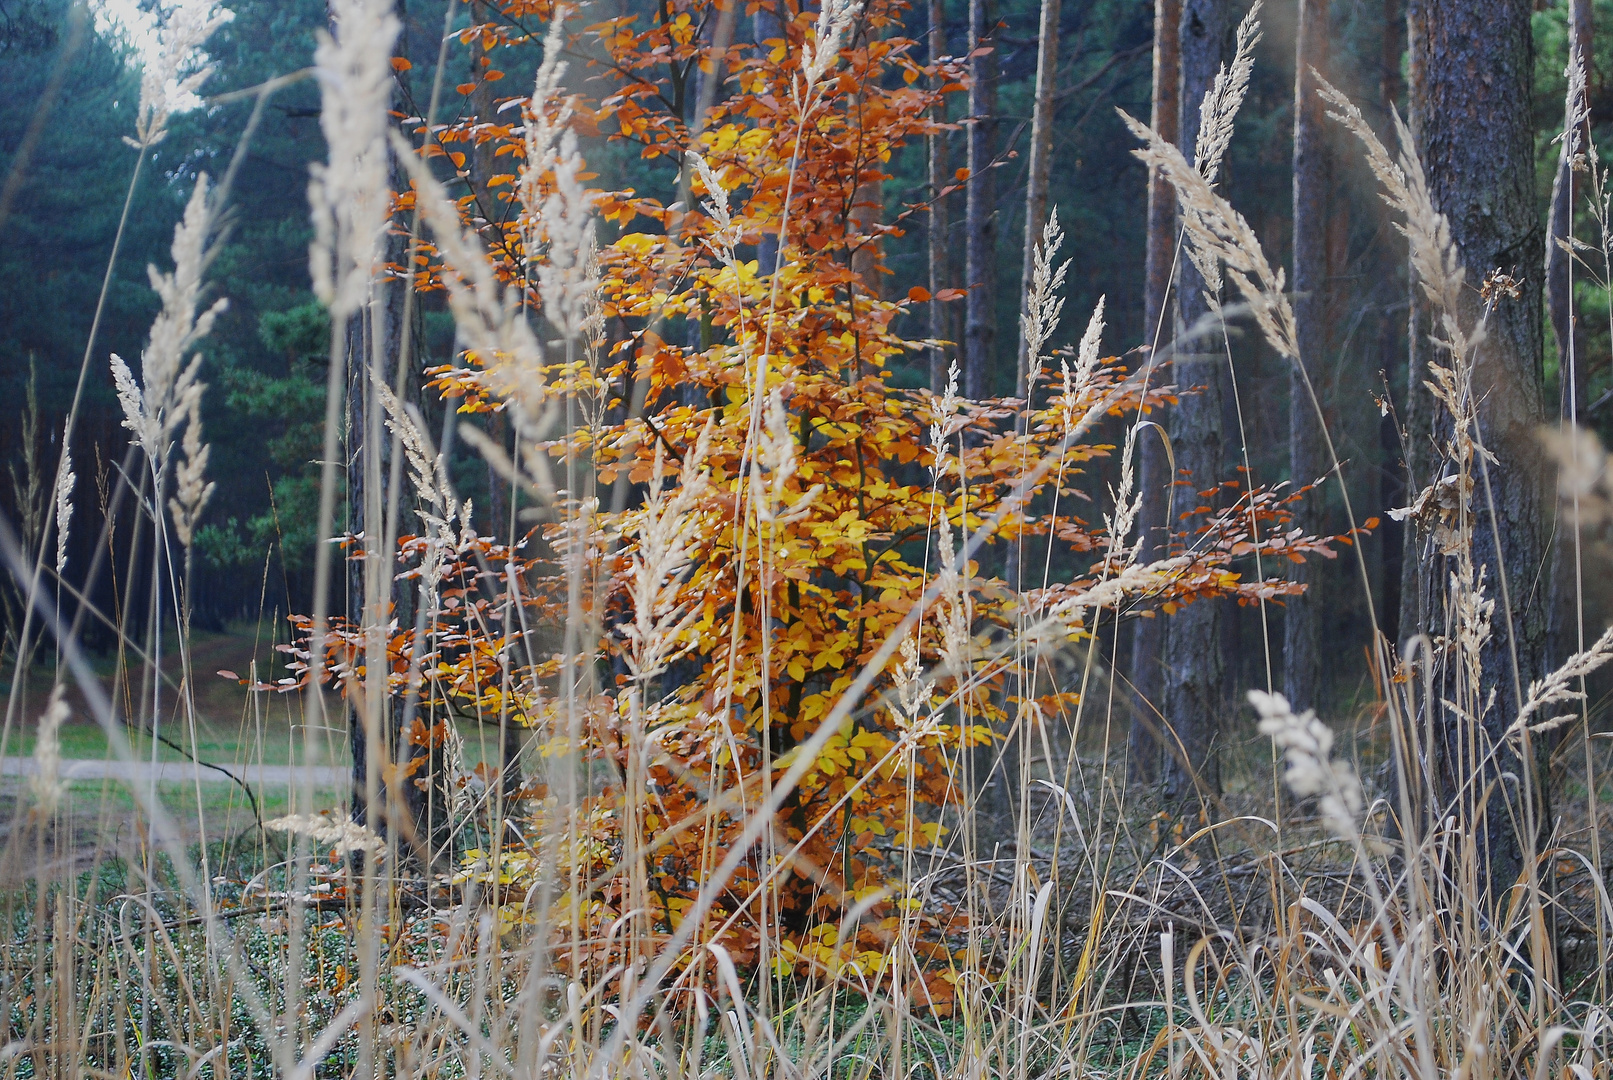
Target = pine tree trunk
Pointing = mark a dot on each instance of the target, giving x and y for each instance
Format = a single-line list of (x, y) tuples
[(1153, 465), (1476, 139), (936, 222), (1040, 170), (980, 224), (1195, 669), (1567, 632), (1306, 457)]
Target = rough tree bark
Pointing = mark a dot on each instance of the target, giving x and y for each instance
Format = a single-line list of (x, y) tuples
[(1195, 669), (936, 221), (1040, 169), (1476, 140), (1153, 466), (1566, 633), (980, 224), (1306, 456)]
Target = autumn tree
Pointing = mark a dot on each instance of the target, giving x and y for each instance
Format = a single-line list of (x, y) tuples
[(761, 582)]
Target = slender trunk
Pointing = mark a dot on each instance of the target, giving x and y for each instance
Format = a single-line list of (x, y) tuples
[(1041, 167), (1392, 479), (483, 167), (1476, 139), (1153, 466), (1195, 668), (1415, 616), (867, 205), (1306, 458), (980, 330), (357, 367), (766, 26), (1566, 631), (1392, 491), (936, 222)]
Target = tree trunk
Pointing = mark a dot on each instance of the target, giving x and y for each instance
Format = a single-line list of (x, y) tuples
[(980, 225), (1153, 466), (1306, 456), (1195, 669), (765, 26), (1039, 172), (357, 369), (1567, 631), (483, 167), (1476, 140), (1392, 491), (936, 222), (1419, 404), (867, 212)]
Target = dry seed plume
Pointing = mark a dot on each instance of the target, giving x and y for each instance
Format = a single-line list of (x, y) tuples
[(1558, 687), (1218, 234), (46, 784), (350, 195), (65, 479), (1220, 106), (191, 489), (171, 75), (1307, 746), (1434, 258), (1044, 307), (668, 540), (818, 55), (154, 407), (487, 315), (343, 835)]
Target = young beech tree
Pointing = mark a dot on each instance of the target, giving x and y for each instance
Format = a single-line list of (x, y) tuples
[(748, 523)]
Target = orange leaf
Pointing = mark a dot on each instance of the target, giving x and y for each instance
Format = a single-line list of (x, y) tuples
[(918, 294), (962, 175), (466, 88), (401, 63)]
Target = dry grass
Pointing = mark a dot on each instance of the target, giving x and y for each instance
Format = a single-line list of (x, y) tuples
[(1330, 927)]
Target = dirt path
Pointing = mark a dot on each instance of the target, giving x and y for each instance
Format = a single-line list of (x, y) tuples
[(325, 776)]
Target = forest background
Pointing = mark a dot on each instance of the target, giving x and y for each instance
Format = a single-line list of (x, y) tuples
[(266, 358)]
